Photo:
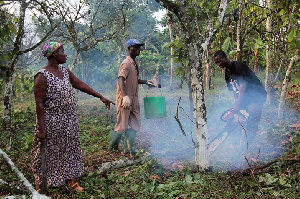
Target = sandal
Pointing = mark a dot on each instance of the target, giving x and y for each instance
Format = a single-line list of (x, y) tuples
[(38, 190), (77, 187)]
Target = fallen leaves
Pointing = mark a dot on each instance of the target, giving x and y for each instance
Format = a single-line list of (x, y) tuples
[(290, 139), (297, 125), (176, 166), (157, 177)]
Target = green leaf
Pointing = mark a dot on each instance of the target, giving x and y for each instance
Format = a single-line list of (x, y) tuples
[(185, 62), (28, 140), (175, 192), (134, 187), (298, 148), (261, 179), (226, 44), (177, 43), (178, 71), (176, 60), (282, 181), (259, 43), (189, 179), (291, 35), (160, 186), (197, 176), (270, 179), (281, 11), (15, 19)]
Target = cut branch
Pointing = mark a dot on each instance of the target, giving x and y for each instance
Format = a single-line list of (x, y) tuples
[(177, 119), (122, 163), (258, 170)]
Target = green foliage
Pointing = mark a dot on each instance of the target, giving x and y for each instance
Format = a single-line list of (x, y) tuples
[(226, 44), (28, 84), (7, 32), (180, 57), (150, 62)]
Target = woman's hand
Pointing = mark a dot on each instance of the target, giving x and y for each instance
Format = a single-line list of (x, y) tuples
[(107, 102), (41, 135)]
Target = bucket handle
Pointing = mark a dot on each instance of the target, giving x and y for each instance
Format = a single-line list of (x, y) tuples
[(149, 89)]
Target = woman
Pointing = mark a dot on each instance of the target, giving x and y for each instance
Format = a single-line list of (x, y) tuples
[(57, 125)]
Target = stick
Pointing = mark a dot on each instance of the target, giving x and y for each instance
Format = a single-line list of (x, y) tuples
[(44, 188), (177, 119)]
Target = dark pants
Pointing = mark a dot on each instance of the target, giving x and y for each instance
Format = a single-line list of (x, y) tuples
[(255, 111)]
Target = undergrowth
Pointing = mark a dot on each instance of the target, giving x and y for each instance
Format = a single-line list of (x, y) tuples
[(149, 179)]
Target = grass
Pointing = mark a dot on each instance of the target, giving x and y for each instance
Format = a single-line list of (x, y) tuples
[(154, 178)]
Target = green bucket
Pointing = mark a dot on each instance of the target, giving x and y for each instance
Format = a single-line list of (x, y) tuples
[(155, 107)]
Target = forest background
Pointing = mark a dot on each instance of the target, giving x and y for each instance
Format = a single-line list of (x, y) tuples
[(263, 34)]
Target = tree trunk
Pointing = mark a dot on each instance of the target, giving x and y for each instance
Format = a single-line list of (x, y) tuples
[(22, 82), (188, 81), (8, 92), (11, 63), (208, 70), (285, 85), (282, 62), (200, 127), (239, 42), (11, 69), (268, 80), (255, 61), (195, 65), (172, 53), (74, 63), (278, 71), (195, 48)]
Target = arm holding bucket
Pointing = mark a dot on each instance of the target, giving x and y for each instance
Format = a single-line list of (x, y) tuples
[(141, 81)]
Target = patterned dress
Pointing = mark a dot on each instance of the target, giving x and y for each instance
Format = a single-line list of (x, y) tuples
[(62, 145)]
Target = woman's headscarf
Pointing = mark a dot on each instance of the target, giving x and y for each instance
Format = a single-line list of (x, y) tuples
[(50, 47)]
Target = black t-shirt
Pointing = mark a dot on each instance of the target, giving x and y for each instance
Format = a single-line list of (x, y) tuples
[(240, 72)]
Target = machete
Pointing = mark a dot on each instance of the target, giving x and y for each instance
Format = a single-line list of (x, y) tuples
[(44, 188)]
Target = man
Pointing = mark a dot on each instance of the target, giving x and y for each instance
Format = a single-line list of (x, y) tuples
[(128, 108), (249, 92)]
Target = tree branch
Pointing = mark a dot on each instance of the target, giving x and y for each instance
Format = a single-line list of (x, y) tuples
[(169, 5), (42, 40)]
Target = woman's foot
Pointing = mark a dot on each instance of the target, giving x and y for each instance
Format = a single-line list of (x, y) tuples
[(38, 189), (76, 187)]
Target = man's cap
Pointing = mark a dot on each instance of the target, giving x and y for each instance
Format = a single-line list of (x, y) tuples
[(133, 42)]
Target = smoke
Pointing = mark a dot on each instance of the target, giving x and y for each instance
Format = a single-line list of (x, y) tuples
[(163, 138)]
